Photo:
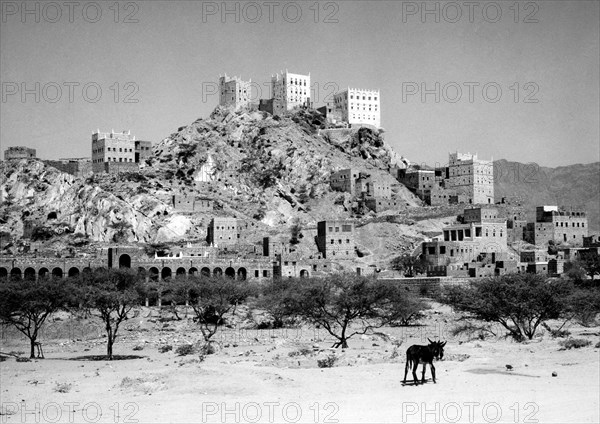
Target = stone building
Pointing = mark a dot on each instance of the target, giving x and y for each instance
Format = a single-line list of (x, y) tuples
[(482, 236), (234, 91), (191, 204), (19, 152), (335, 239), (227, 231), (143, 150), (359, 107), (471, 178), (290, 91), (78, 167), (344, 180), (420, 181), (331, 113), (559, 225), (118, 152)]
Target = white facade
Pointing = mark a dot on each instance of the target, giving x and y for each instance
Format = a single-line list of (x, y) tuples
[(234, 91), (359, 106), (290, 91), (207, 171)]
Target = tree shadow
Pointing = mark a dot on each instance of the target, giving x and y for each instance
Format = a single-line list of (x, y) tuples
[(105, 358)]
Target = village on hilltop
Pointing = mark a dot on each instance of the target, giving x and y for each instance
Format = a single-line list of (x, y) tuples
[(483, 242)]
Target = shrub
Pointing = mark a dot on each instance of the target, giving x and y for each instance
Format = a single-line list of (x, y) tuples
[(138, 347), (303, 351), (328, 362), (186, 349), (574, 343), (165, 348), (63, 387), (23, 359)]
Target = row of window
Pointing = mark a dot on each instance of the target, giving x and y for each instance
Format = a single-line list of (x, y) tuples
[(572, 224), (345, 229), (340, 241), (363, 97)]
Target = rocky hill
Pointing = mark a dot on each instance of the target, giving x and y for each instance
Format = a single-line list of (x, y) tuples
[(531, 185), (271, 171)]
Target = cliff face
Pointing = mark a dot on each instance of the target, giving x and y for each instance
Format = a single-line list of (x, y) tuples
[(268, 170)]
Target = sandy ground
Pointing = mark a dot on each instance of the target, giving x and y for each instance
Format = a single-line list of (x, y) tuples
[(272, 376)]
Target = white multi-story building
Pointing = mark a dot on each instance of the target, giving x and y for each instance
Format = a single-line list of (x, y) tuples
[(234, 91), (359, 107), (117, 152), (290, 91), (471, 178)]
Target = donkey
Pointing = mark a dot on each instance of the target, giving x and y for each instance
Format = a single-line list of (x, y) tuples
[(424, 355)]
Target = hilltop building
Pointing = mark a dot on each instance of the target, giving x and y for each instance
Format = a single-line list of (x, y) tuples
[(359, 107), (118, 152), (19, 152), (234, 91), (289, 91)]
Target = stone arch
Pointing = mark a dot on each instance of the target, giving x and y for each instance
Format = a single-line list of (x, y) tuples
[(52, 215), (242, 274), (3, 272), (153, 273), (57, 272), (230, 272), (29, 273), (217, 272), (86, 270), (43, 272), (205, 272), (181, 272), (166, 273), (193, 271), (16, 273), (125, 261), (73, 272), (304, 273)]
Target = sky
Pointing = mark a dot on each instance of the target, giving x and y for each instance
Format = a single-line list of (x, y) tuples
[(505, 79)]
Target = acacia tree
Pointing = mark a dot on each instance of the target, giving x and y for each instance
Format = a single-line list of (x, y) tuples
[(111, 294), (518, 302), (408, 264), (26, 304), (212, 298), (345, 305)]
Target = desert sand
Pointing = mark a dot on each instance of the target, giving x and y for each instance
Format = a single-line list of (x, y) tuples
[(272, 376)]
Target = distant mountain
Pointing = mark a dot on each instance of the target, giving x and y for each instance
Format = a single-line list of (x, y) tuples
[(532, 185)]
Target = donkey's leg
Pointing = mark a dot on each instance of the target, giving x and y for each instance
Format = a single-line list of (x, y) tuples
[(423, 375), (432, 371), (414, 372), (406, 369)]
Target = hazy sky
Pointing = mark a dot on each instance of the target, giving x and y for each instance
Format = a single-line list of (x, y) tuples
[(547, 71)]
